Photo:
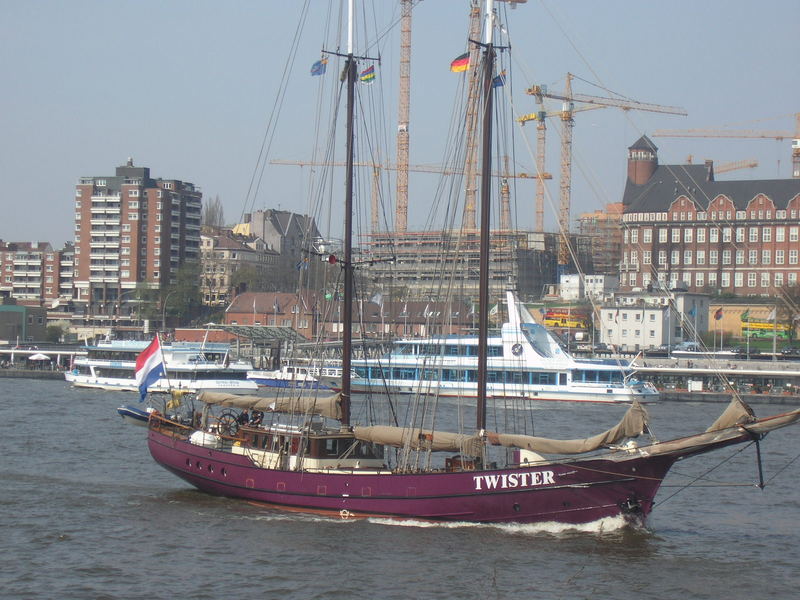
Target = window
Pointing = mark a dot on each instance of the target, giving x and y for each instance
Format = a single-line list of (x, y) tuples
[(646, 257), (778, 280), (688, 234), (676, 235), (701, 257), (751, 280), (662, 257), (676, 257), (133, 193), (713, 235), (712, 279), (752, 257), (662, 235), (133, 204), (740, 235), (699, 280), (133, 216), (634, 236), (740, 257), (647, 236), (687, 257), (766, 257), (766, 234), (126, 227), (791, 279), (713, 257), (792, 257), (725, 280), (793, 234), (764, 280), (738, 280), (778, 257), (634, 257), (753, 234), (726, 257), (701, 236), (740, 215), (780, 234), (726, 234)]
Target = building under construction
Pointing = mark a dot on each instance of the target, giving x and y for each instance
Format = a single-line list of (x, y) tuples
[(600, 236), (427, 264)]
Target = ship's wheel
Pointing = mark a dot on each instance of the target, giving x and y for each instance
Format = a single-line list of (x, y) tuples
[(227, 423)]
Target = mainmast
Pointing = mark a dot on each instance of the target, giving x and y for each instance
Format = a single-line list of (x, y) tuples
[(486, 181), (347, 308)]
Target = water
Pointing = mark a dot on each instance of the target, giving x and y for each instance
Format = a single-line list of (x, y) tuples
[(86, 513)]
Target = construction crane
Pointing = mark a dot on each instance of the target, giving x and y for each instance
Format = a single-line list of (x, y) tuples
[(744, 133), (376, 169), (725, 167), (567, 110), (401, 209), (541, 133)]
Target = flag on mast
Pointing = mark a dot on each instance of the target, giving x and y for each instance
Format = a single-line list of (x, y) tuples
[(149, 367), (367, 75), (460, 63)]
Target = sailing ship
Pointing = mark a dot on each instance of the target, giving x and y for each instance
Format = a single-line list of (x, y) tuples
[(309, 454), (525, 361)]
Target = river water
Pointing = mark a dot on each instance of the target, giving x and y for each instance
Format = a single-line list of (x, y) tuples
[(86, 513)]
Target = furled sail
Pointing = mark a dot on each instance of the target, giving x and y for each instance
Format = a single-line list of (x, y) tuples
[(325, 406), (632, 424), (421, 439)]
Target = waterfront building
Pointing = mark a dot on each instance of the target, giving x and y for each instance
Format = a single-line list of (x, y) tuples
[(131, 230), (601, 232), (222, 255), (684, 228), (635, 321), (291, 236)]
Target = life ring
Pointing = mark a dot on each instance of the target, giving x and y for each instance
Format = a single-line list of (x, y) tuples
[(345, 514)]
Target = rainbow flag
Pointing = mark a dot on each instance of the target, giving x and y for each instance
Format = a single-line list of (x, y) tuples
[(461, 63), (367, 75)]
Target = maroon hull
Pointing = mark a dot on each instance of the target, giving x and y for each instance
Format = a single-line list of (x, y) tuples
[(578, 491)]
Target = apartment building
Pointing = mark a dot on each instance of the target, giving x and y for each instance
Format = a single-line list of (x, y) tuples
[(222, 255), (131, 229), (684, 229)]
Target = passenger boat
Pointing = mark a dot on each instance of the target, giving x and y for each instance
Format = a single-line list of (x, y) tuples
[(189, 366), (305, 377), (525, 361), (330, 455)]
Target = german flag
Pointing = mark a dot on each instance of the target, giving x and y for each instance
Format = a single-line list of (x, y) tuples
[(460, 64)]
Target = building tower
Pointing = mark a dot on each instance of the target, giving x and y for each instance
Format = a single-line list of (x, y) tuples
[(642, 160)]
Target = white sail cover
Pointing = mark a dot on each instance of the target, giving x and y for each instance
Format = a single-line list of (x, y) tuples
[(325, 406), (632, 424), (421, 439)]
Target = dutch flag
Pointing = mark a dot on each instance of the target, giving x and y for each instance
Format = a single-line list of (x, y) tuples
[(149, 367)]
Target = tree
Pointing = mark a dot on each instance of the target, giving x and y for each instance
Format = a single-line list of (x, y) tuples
[(213, 213), (182, 299)]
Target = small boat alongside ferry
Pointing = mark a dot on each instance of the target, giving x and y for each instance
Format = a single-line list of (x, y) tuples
[(189, 366), (525, 361), (305, 377)]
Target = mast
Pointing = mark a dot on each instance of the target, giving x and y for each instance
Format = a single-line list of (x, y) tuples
[(347, 318), (486, 180)]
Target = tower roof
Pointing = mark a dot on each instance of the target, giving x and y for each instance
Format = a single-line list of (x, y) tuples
[(644, 143)]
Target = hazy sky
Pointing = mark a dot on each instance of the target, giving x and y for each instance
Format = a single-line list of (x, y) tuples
[(187, 87)]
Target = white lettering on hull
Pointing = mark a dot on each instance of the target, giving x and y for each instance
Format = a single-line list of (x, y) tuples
[(506, 481)]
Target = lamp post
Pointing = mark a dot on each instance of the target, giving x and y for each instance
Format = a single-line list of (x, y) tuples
[(164, 310)]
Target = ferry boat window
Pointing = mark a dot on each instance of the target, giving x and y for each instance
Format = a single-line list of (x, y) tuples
[(495, 377), (562, 379), (495, 351), (451, 350), (517, 377), (544, 378)]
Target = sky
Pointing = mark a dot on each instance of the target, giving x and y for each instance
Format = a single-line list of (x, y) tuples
[(188, 88)]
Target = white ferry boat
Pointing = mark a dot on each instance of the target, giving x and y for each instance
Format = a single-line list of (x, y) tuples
[(525, 361), (189, 366)]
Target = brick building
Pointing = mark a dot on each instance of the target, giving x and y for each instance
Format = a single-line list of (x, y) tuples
[(131, 229), (685, 229)]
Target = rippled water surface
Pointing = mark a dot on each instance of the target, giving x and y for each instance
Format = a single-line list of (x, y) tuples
[(86, 513)]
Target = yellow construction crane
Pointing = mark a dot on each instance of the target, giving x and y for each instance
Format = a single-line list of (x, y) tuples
[(744, 133), (567, 110)]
